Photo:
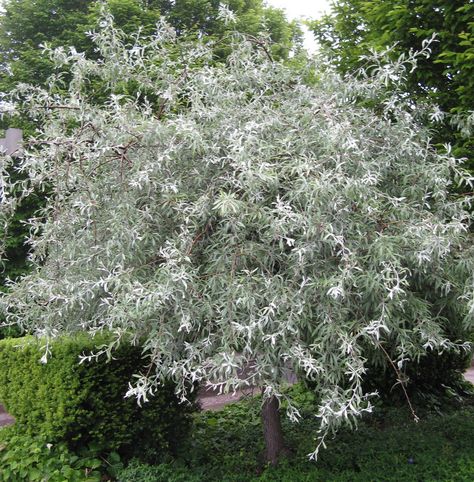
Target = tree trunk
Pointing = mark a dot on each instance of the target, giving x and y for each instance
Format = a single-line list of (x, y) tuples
[(272, 431)]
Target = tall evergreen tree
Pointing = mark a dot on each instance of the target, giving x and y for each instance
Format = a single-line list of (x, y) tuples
[(25, 25)]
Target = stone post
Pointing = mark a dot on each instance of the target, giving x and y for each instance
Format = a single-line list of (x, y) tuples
[(11, 143)]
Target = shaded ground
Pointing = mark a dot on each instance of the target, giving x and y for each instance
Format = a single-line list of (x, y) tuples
[(213, 401), (469, 375)]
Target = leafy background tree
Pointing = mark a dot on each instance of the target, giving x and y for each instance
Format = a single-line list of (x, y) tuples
[(447, 76), (258, 222), (27, 24)]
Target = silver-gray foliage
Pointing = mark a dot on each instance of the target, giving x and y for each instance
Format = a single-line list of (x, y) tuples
[(234, 215)]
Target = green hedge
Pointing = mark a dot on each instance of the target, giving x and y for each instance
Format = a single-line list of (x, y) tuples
[(434, 379), (83, 404)]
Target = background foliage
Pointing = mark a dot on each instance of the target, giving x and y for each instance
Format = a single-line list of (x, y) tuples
[(25, 25), (389, 446), (447, 76)]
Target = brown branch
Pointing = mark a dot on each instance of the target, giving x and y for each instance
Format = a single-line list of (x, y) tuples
[(161, 111), (50, 143), (197, 238), (399, 379), (59, 106), (152, 261), (260, 43)]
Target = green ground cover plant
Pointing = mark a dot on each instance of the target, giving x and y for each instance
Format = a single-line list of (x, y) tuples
[(388, 446), (32, 459)]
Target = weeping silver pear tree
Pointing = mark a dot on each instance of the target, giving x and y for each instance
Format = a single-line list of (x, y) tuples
[(240, 216)]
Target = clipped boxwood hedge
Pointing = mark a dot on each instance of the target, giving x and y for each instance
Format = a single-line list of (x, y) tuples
[(84, 404)]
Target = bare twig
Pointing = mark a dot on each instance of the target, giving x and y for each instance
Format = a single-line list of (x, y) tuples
[(262, 44), (399, 378)]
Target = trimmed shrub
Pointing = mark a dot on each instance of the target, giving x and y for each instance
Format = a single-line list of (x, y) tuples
[(84, 404), (436, 379)]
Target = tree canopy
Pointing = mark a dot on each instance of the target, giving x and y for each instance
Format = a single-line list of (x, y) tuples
[(447, 75), (246, 219)]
